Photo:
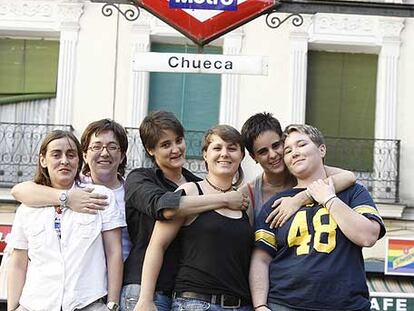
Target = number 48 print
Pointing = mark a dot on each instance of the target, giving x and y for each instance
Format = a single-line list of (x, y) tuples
[(300, 236)]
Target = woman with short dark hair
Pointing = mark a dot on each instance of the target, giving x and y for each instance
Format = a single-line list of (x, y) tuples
[(215, 245)]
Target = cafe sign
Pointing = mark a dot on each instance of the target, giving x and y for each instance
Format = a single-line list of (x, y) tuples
[(392, 302)]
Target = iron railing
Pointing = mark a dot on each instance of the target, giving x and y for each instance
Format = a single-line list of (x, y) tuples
[(19, 147), (375, 162)]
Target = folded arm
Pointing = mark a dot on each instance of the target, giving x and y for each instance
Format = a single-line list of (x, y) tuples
[(192, 205), (285, 207), (79, 200), (356, 227), (145, 194)]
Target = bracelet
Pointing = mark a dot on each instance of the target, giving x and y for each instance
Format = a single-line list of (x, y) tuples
[(311, 199), (17, 307), (329, 200), (259, 306)]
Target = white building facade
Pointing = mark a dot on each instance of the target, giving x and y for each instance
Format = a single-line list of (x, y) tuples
[(95, 76)]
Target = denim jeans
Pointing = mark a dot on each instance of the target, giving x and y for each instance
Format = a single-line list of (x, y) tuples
[(130, 295), (278, 307), (95, 306), (187, 304)]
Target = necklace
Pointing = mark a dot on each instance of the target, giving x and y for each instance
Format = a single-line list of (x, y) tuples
[(218, 188)]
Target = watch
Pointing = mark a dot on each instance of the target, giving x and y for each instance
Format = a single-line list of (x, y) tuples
[(112, 306), (63, 199)]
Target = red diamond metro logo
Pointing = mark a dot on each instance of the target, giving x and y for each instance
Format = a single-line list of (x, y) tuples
[(205, 20)]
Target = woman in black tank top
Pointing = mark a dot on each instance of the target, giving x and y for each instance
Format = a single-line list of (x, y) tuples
[(215, 245)]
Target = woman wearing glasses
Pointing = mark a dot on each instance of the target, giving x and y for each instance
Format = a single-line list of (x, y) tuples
[(63, 259), (104, 144)]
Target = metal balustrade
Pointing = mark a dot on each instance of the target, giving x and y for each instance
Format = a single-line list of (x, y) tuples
[(374, 161), (19, 147)]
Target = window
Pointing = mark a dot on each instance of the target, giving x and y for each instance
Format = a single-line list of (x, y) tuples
[(193, 98), (28, 75), (341, 96)]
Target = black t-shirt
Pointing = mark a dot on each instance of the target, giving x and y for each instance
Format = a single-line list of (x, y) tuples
[(147, 193)]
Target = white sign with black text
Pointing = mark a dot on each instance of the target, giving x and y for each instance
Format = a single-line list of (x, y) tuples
[(201, 63)]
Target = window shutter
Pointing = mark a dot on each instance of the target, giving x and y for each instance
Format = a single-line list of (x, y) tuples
[(28, 69), (341, 96)]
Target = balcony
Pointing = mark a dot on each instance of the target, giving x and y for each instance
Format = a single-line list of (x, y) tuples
[(19, 147), (375, 162)]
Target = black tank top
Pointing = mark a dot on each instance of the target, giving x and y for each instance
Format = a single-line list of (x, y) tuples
[(215, 255)]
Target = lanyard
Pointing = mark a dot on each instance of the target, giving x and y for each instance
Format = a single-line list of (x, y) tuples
[(58, 220)]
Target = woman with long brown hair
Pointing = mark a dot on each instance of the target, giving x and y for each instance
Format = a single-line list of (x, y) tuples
[(63, 259)]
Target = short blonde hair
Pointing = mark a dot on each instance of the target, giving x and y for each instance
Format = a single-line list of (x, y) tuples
[(314, 134)]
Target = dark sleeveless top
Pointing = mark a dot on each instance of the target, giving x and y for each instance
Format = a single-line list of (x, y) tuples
[(215, 255)]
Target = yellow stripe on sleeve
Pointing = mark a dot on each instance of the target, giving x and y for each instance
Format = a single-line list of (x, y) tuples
[(366, 209), (266, 237)]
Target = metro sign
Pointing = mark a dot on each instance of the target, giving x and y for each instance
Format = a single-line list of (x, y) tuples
[(205, 20)]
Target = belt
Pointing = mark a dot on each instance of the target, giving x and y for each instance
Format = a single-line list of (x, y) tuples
[(225, 301)]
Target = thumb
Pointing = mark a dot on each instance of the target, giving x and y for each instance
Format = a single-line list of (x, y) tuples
[(88, 189)]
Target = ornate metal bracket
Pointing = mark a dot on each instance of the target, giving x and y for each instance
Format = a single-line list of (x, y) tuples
[(130, 14), (273, 21)]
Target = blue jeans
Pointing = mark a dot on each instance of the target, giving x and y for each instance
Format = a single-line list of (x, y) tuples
[(278, 307), (130, 295), (186, 304)]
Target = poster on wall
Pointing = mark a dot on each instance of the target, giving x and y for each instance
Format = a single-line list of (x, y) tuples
[(5, 230), (399, 258), (205, 20)]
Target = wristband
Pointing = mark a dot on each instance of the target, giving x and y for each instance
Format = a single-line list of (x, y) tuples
[(259, 306)]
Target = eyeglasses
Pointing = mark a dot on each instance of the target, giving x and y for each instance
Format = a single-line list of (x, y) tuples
[(111, 147)]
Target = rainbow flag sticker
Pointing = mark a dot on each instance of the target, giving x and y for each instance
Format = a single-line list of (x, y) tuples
[(399, 258)]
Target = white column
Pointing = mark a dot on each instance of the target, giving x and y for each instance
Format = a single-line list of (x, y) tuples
[(387, 88), (69, 14), (230, 84), (140, 80), (386, 109), (387, 98), (299, 67)]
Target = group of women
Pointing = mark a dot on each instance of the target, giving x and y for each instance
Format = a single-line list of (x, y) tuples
[(190, 239)]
